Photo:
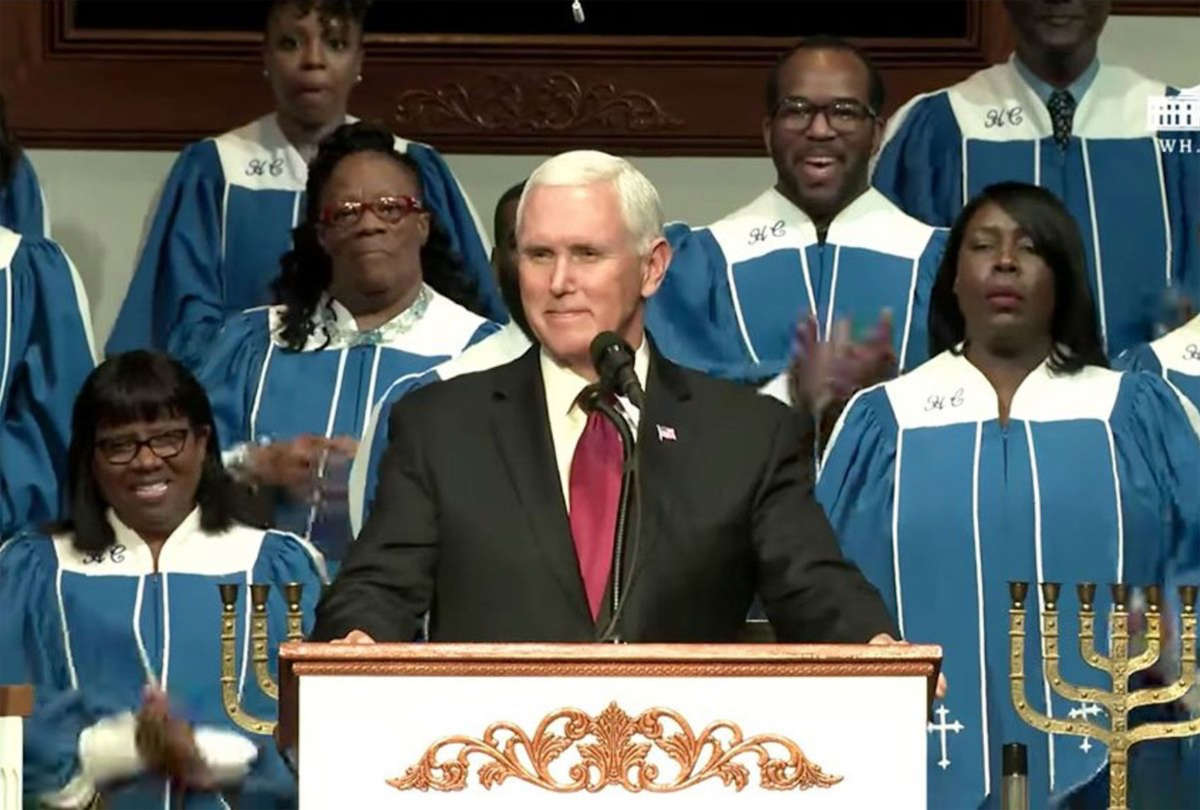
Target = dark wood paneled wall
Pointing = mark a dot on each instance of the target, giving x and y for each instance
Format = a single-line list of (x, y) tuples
[(76, 88)]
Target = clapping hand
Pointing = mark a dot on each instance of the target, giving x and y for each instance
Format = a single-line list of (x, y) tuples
[(295, 465), (166, 744), (825, 372)]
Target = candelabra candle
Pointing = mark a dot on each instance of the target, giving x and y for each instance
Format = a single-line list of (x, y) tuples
[(1118, 700), (230, 696), (293, 592), (259, 639)]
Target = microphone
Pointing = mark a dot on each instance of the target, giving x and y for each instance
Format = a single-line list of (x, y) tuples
[(613, 361), (1014, 787), (628, 526)]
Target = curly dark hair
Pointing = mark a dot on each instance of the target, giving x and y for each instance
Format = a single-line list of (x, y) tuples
[(131, 387), (307, 270), (1073, 331), (349, 10), (10, 150)]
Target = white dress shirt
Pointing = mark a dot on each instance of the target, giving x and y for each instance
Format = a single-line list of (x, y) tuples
[(567, 419)]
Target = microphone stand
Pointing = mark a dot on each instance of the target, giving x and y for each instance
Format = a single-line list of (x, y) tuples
[(629, 492)]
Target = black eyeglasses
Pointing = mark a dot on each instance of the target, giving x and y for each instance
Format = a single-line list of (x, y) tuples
[(167, 444), (845, 116)]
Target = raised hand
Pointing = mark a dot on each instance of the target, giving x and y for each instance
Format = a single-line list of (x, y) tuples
[(828, 372), (166, 744), (294, 465)]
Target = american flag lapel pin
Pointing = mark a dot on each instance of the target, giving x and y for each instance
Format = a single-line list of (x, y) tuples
[(665, 434)]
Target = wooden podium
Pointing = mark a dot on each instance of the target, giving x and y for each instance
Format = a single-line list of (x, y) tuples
[(450, 726), (16, 703)]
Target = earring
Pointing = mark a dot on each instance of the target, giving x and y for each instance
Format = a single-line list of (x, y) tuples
[(358, 79), (266, 73)]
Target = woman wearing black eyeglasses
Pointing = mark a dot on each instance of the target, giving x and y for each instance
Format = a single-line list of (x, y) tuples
[(113, 615), (371, 299)]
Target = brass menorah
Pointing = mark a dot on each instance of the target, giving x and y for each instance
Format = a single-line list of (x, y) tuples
[(258, 645), (1119, 701)]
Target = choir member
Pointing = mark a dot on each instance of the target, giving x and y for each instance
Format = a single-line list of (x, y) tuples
[(508, 343), (1053, 115), (1013, 454), (229, 205), (112, 615), (46, 351), (372, 298), (22, 204), (820, 244), (1175, 357)]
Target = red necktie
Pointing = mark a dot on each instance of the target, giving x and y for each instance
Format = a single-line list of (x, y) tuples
[(595, 483)]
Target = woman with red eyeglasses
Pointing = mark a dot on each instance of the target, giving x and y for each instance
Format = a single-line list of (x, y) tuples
[(372, 298)]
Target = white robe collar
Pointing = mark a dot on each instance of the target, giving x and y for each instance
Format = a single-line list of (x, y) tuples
[(949, 389), (187, 550), (871, 222)]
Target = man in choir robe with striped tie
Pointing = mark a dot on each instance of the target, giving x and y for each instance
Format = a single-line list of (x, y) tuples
[(1056, 116)]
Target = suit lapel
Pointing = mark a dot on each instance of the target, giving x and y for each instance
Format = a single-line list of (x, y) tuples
[(662, 460), (522, 432)]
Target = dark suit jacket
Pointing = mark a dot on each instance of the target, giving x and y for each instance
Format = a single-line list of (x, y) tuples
[(469, 523)]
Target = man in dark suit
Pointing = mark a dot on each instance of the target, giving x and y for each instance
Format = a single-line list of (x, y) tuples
[(488, 504)]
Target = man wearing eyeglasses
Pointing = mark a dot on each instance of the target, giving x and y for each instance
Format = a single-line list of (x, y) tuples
[(819, 249), (1054, 115)]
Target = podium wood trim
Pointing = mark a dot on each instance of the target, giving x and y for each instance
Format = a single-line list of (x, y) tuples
[(16, 701), (553, 660)]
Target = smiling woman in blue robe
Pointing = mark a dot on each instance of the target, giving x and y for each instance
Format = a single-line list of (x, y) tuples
[(228, 207), (113, 615), (1013, 454)]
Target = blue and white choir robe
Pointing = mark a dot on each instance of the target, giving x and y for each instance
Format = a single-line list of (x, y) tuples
[(22, 204), (1094, 478), (1175, 357), (84, 629), (735, 290), (502, 346), (262, 391), (46, 351), (1136, 200), (224, 219)]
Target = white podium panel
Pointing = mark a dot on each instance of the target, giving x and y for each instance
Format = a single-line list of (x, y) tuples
[(393, 721), (10, 763), (537, 726), (16, 703)]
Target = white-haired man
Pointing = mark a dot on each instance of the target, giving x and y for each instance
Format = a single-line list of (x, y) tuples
[(497, 493)]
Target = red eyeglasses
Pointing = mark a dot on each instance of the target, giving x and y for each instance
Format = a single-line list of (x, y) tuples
[(390, 209)]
